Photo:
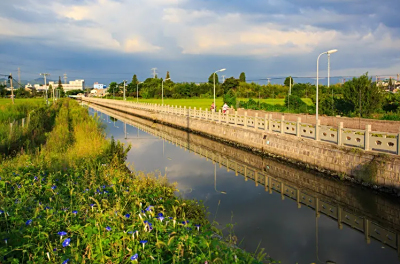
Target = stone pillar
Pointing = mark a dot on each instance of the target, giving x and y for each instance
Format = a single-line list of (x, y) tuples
[(339, 134), (245, 119), (236, 118), (366, 230), (200, 112), (298, 127), (195, 114), (298, 198), (366, 136), (189, 111), (256, 122), (219, 116), (180, 110), (184, 110), (317, 130), (270, 123), (282, 123), (339, 217), (265, 122), (206, 113)]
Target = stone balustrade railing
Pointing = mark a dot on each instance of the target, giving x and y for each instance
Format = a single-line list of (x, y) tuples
[(363, 139)]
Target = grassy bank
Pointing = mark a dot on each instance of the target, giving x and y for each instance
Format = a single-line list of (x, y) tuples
[(23, 125), (74, 201)]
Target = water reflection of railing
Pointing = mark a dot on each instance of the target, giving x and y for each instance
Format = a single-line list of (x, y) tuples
[(285, 189)]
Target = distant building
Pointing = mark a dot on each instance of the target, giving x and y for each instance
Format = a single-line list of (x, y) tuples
[(98, 92), (97, 85), (72, 85)]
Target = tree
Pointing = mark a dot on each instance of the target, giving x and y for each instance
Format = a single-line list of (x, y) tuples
[(134, 80), (60, 87), (295, 103), (167, 77), (229, 84), (242, 77), (113, 88), (287, 81), (230, 98), (390, 84), (211, 79), (363, 97)]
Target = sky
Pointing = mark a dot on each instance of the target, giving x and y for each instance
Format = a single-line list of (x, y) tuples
[(110, 40)]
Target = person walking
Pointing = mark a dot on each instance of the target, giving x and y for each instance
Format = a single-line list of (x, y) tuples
[(212, 108), (225, 108)]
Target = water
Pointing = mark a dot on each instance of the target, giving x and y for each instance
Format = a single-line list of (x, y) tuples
[(263, 217)]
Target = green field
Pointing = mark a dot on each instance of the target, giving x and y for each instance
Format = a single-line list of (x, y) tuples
[(206, 102), (7, 101)]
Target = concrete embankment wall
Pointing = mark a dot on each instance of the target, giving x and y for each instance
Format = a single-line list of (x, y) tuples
[(380, 169), (348, 122)]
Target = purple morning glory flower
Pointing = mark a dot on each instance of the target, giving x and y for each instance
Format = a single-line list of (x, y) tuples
[(53, 187), (65, 261), (35, 178), (62, 233), (160, 215), (198, 227), (28, 222), (54, 249), (75, 212), (92, 205), (66, 242), (143, 242), (108, 228), (135, 257), (149, 208), (1, 212), (127, 215)]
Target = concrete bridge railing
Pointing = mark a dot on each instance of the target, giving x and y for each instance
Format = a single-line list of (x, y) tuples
[(363, 139)]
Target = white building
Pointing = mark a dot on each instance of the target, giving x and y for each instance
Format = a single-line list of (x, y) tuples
[(97, 85), (72, 85)]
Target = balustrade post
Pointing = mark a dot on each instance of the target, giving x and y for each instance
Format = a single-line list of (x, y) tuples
[(317, 128), (282, 123), (366, 136), (200, 113), (195, 113), (236, 117), (184, 110), (265, 122), (398, 147), (270, 123), (298, 127), (256, 122), (245, 119), (189, 111), (180, 110), (219, 116), (339, 134), (206, 113)]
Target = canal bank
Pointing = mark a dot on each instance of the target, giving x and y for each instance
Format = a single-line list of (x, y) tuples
[(347, 219), (378, 170)]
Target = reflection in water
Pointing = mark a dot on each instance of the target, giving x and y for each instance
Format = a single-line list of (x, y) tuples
[(326, 221)]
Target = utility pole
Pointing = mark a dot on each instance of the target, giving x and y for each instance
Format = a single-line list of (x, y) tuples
[(154, 72), (45, 86), (223, 78), (19, 77), (12, 88), (65, 78), (269, 80), (124, 89)]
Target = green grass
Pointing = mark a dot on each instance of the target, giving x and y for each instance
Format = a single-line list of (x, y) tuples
[(18, 101), (206, 102), (78, 184)]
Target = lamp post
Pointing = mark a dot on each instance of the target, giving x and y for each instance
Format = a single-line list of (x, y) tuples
[(162, 90), (124, 89), (137, 91), (214, 86), (316, 103), (215, 179)]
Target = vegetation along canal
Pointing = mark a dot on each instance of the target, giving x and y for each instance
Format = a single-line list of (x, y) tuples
[(298, 216)]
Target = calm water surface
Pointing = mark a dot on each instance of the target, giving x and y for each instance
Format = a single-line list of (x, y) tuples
[(288, 233)]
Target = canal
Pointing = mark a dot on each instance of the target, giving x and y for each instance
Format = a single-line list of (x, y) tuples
[(297, 216)]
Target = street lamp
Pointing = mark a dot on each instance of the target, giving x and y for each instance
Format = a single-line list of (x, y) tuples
[(124, 89), (162, 89), (316, 106), (137, 91), (214, 85), (215, 179)]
